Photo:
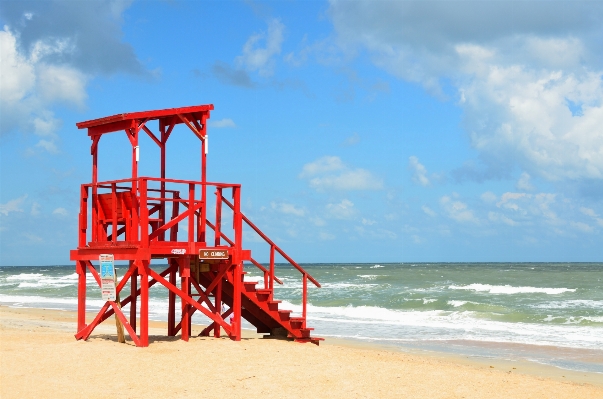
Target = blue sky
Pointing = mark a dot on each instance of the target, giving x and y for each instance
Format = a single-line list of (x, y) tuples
[(361, 131)]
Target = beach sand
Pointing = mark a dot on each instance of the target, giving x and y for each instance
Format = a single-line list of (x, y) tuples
[(40, 358)]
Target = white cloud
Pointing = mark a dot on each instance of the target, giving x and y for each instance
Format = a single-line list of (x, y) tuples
[(12, 205), (368, 222), (322, 165), (489, 197), (343, 210), (331, 173), (226, 122), (326, 236), (583, 227), (259, 58), (428, 211), (531, 91), (287, 208), (497, 217), (352, 140), (420, 173), (458, 210), (523, 183), (33, 238), (35, 209), (60, 212), (318, 221), (592, 214), (29, 86)]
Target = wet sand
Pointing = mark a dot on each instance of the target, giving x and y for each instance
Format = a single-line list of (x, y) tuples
[(40, 358)]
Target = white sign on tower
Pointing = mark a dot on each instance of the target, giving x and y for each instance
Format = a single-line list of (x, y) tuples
[(107, 275)]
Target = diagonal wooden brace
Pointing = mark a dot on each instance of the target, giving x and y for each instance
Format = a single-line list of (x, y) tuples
[(189, 300), (127, 325)]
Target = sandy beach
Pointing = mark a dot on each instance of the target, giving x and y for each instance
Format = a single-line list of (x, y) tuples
[(41, 359)]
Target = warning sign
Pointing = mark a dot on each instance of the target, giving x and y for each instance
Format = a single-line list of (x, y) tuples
[(107, 275), (213, 254)]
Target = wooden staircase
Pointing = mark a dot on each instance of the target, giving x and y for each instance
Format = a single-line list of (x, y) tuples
[(262, 311)]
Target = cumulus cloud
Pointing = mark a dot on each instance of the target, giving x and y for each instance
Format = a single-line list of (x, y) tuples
[(458, 210), (352, 140), (226, 122), (50, 50), (342, 210), (260, 49), (419, 171), (287, 208), (428, 211), (60, 212), (330, 172), (527, 75), (12, 205), (524, 183)]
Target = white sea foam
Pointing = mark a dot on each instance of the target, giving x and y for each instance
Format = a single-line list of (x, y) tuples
[(369, 276), (381, 323), (376, 267), (456, 304), (508, 289), (570, 304), (25, 276)]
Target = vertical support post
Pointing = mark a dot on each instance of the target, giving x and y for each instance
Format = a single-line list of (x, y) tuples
[(218, 226), (185, 273), (114, 212), (203, 213), (133, 137), (175, 210), (238, 276), (95, 207), (144, 214), (172, 300), (83, 222), (80, 268), (133, 295), (162, 161), (304, 298), (218, 304), (144, 301), (191, 216), (271, 281)]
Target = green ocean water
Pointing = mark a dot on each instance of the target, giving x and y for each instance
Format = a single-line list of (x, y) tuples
[(423, 305)]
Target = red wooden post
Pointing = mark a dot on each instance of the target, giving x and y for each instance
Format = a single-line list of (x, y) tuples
[(185, 287), (218, 304), (238, 276), (144, 214), (304, 298), (83, 222), (271, 281), (172, 300), (95, 224), (114, 212), (133, 294), (191, 216), (144, 301), (81, 295)]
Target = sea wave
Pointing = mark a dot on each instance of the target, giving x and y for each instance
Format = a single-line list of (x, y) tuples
[(508, 289)]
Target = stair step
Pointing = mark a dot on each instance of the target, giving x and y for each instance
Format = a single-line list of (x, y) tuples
[(284, 314), (250, 285), (273, 305), (263, 292)]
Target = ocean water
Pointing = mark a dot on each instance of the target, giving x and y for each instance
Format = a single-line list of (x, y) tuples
[(545, 312)]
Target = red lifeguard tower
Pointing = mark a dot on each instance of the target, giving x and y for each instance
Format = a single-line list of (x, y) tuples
[(136, 219)]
